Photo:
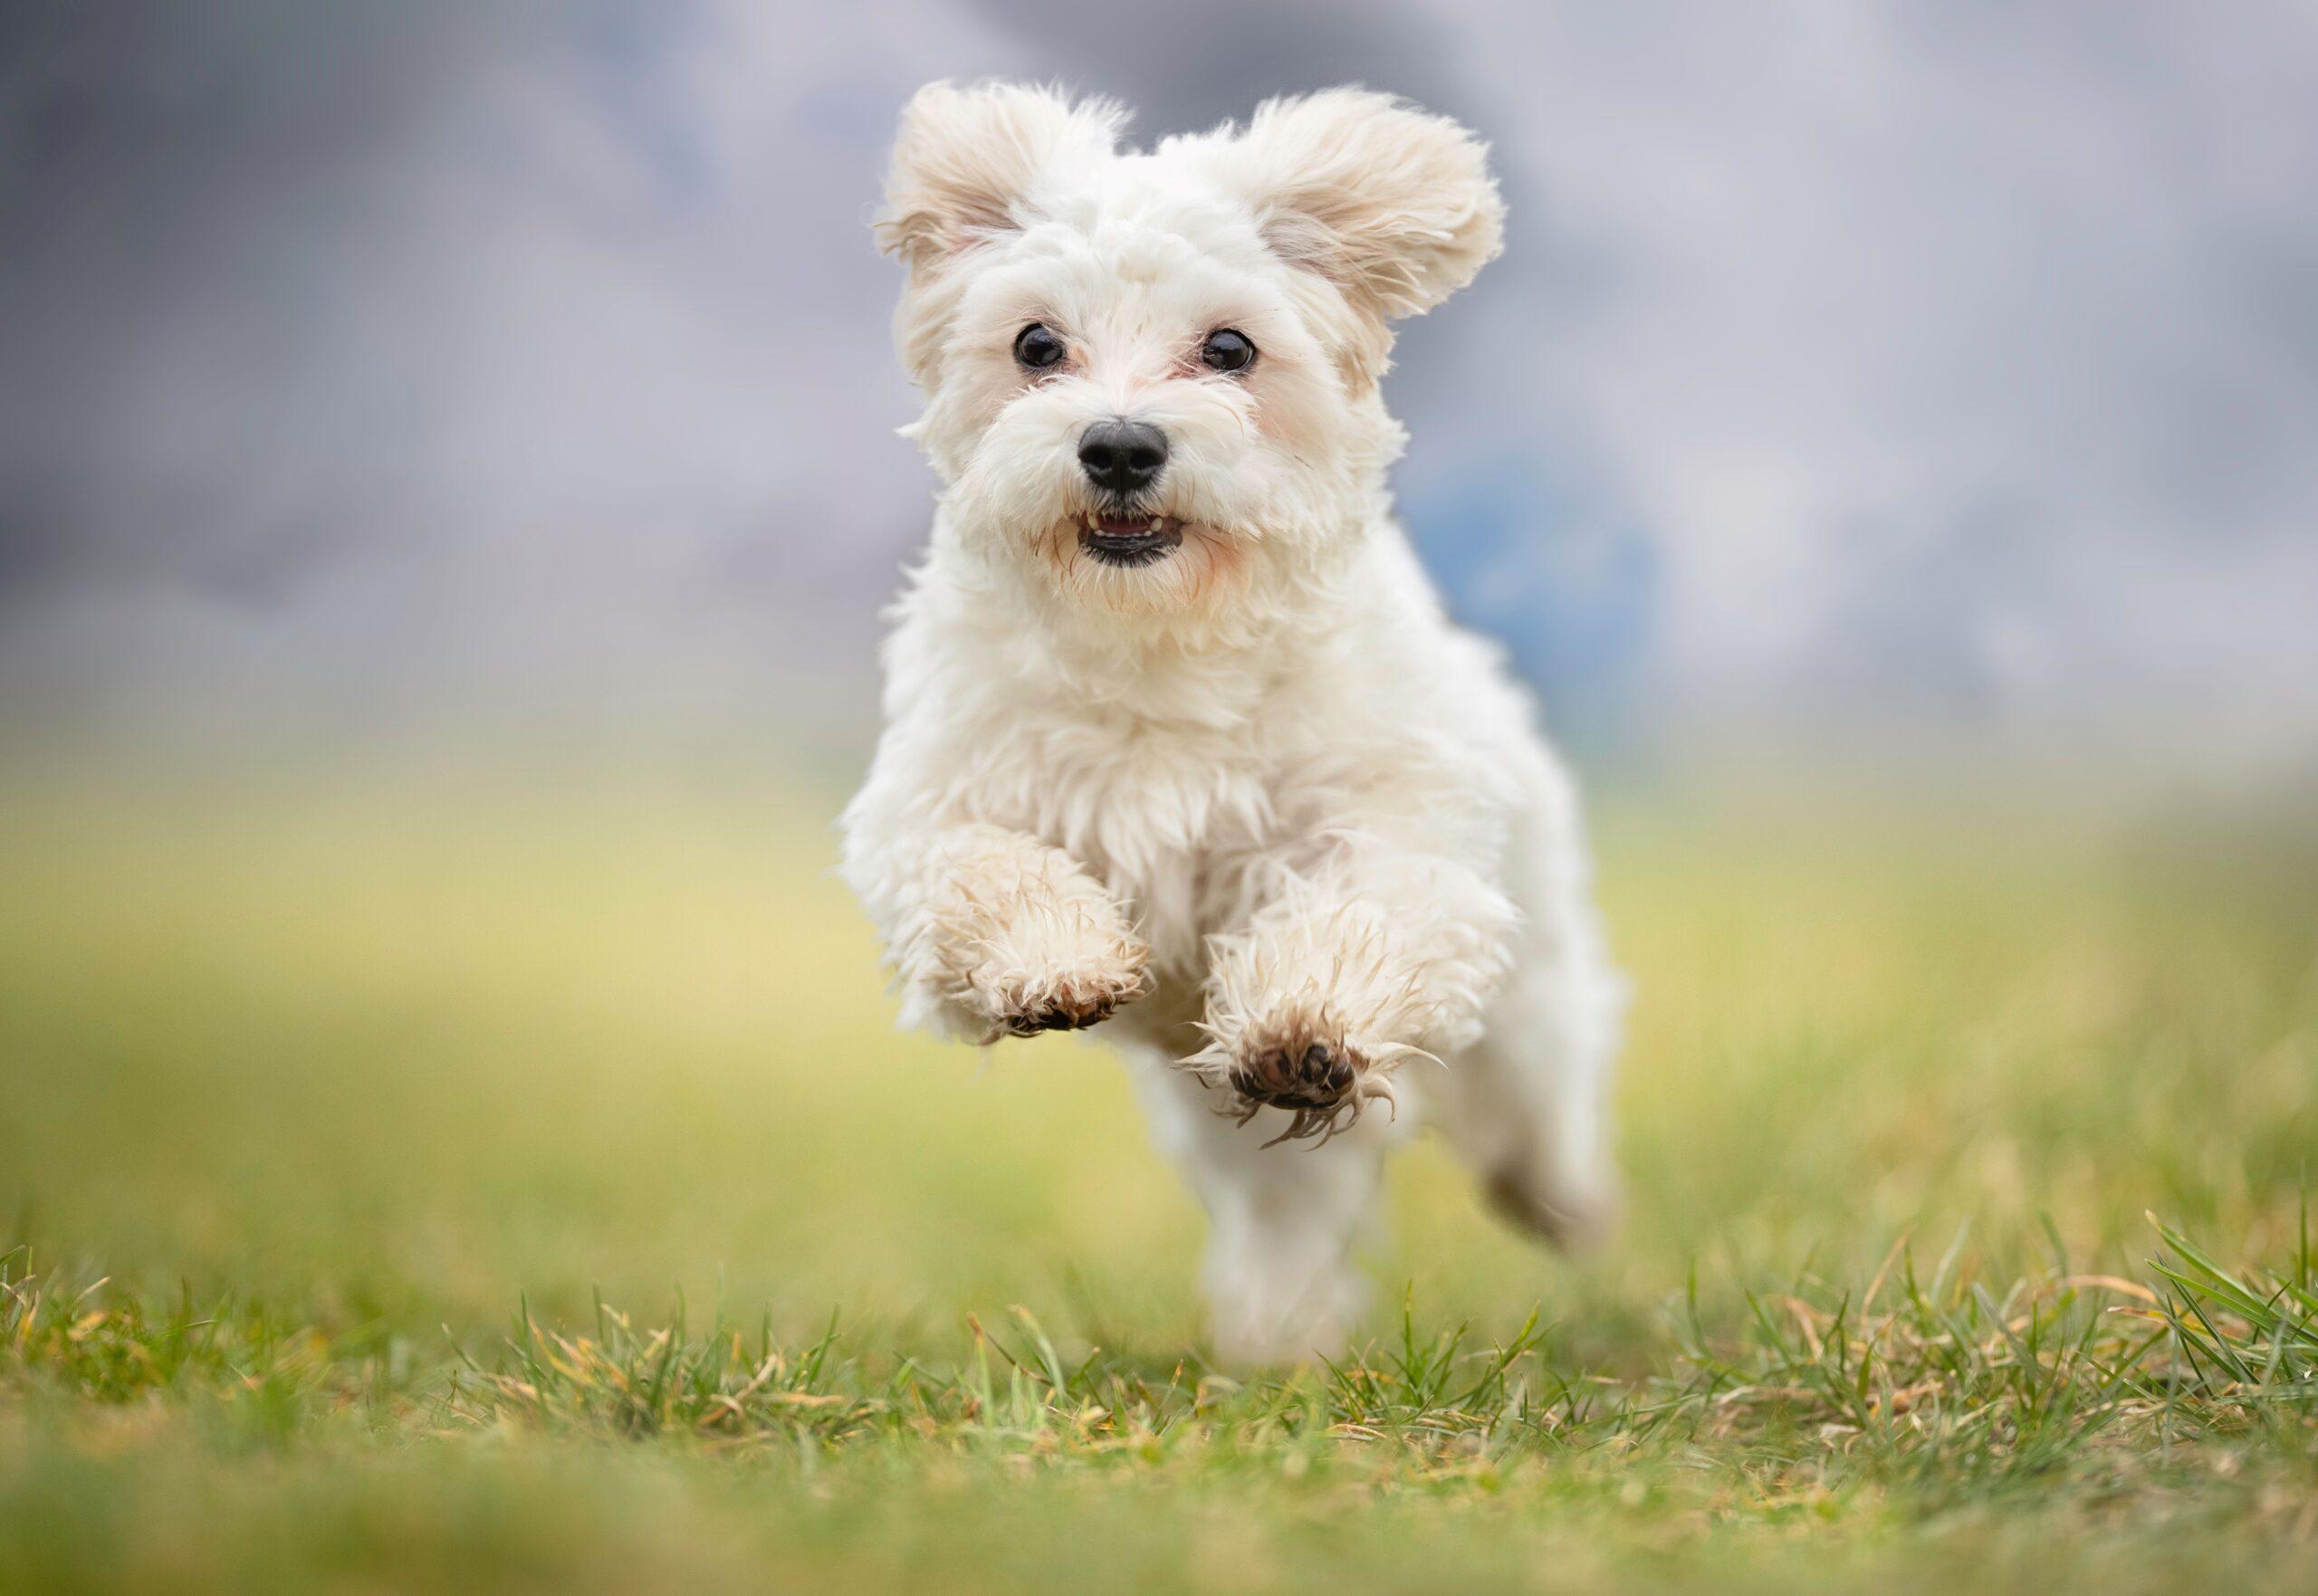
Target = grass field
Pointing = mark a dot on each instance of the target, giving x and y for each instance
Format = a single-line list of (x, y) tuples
[(449, 1181)]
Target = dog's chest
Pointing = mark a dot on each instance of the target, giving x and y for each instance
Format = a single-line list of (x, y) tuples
[(1169, 818)]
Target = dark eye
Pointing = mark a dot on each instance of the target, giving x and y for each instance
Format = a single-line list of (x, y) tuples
[(1035, 348), (1228, 350)]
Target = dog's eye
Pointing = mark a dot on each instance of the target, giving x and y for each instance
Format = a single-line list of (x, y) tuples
[(1036, 347), (1228, 350)]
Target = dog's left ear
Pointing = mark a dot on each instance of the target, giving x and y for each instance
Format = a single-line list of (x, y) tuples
[(1394, 205)]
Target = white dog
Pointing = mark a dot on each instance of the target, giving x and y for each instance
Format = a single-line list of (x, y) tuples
[(1178, 736)]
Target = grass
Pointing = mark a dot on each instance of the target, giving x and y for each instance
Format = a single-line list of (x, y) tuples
[(472, 1181)]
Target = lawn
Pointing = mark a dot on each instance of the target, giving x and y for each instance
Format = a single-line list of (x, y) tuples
[(451, 1178)]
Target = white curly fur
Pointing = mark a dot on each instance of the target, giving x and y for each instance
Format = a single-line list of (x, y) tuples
[(1259, 796)]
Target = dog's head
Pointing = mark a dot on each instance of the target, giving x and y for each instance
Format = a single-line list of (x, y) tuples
[(1147, 372)]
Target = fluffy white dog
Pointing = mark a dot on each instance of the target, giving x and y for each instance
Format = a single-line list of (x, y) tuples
[(1178, 737)]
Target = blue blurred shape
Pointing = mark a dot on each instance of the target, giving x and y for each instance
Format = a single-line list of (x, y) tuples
[(1548, 564)]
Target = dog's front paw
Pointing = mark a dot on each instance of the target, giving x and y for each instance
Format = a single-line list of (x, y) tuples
[(1026, 999), (1314, 1074), (1306, 1066)]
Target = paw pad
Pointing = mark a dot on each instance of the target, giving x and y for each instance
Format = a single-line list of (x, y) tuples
[(1064, 1001), (1060, 1017), (1283, 1077), (1318, 1081)]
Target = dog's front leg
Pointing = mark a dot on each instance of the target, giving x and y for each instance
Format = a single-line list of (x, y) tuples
[(993, 933), (1379, 955)]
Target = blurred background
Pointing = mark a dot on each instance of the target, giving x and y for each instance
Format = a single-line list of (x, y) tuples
[(1868, 377), (448, 481)]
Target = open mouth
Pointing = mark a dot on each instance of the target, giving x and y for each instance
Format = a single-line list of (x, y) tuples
[(1130, 540)]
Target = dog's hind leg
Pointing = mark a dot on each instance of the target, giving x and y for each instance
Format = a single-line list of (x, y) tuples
[(1284, 1221), (1526, 1106)]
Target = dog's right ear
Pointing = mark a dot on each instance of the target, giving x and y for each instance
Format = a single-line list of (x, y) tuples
[(968, 163)]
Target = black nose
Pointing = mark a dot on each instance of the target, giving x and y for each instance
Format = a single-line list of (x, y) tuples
[(1122, 456)]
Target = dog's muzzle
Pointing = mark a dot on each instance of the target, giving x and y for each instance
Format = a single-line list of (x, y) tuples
[(1123, 460)]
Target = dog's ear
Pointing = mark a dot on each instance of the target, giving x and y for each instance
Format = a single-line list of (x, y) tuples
[(969, 160), (1394, 205)]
